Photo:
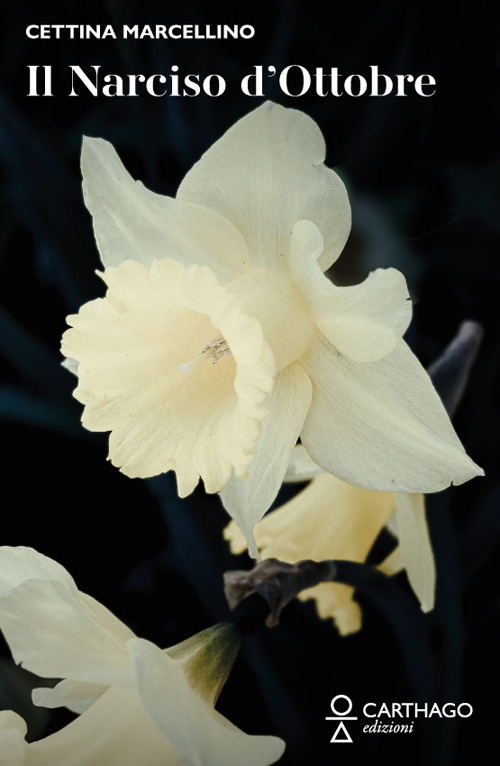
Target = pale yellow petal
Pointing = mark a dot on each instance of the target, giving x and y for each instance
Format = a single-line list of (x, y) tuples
[(415, 547), (52, 633), (195, 729), (53, 628), (235, 537), (19, 563), (266, 173), (75, 695), (248, 499), (150, 372), (131, 222), (301, 466), (71, 365), (110, 625), (328, 520), (381, 425), (336, 602), (391, 526), (364, 322), (115, 731), (12, 743), (393, 564)]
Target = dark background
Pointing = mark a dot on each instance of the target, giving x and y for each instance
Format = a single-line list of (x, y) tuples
[(424, 184)]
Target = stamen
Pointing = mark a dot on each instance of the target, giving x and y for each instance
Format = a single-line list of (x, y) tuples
[(218, 347)]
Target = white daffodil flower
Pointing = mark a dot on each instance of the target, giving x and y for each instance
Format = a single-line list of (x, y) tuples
[(331, 519), (220, 340), (138, 704)]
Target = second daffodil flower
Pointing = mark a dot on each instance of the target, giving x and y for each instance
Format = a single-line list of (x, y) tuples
[(331, 519), (220, 340), (138, 705)]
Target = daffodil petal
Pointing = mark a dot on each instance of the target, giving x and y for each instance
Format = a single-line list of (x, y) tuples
[(350, 518), (301, 466), (393, 564), (75, 695), (12, 743), (266, 173), (53, 629), (247, 500), (366, 321), (235, 537), (71, 365), (381, 425), (131, 222), (115, 731), (415, 547), (335, 601), (52, 634), (143, 373), (18, 564), (194, 728)]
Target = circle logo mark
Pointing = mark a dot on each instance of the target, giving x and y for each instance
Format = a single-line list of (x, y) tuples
[(341, 706)]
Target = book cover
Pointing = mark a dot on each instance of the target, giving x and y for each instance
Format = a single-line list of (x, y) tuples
[(405, 96)]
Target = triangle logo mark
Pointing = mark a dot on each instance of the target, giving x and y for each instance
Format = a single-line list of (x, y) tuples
[(341, 734)]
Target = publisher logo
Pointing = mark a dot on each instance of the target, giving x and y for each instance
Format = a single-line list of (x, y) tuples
[(341, 706), (389, 717)]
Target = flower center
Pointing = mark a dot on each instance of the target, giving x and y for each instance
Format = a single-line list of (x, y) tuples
[(214, 350)]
